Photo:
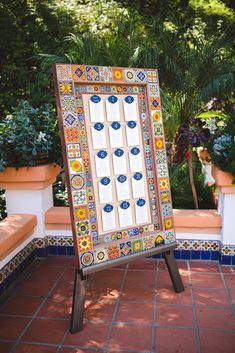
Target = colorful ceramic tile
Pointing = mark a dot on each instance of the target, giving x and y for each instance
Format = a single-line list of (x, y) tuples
[(81, 213), (87, 259), (167, 210), (169, 237), (163, 183), (117, 74), (125, 248), (154, 103), (63, 72), (92, 73), (79, 197), (106, 74), (76, 165), (159, 143), (158, 129), (74, 150), (71, 135), (79, 72), (148, 242), (100, 255), (82, 228), (156, 116), (70, 119), (84, 243), (65, 87), (113, 252), (165, 197), (137, 245), (161, 156), (152, 76), (168, 223), (162, 170), (141, 75), (129, 75), (159, 240), (154, 90), (67, 103), (77, 182)]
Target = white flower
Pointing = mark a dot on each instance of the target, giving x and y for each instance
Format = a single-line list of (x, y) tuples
[(41, 137)]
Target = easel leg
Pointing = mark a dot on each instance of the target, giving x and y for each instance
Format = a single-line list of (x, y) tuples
[(173, 271), (79, 292)]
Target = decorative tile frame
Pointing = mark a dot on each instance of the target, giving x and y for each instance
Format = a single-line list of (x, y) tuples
[(93, 248)]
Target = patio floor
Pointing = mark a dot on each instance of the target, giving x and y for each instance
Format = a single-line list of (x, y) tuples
[(128, 309)]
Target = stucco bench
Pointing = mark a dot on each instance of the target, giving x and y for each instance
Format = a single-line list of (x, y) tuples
[(14, 230)]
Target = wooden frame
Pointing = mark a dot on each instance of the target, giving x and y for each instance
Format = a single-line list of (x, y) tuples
[(138, 220)]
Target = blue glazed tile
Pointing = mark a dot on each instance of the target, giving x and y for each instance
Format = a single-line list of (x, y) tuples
[(195, 254), (233, 260), (215, 255), (226, 260), (205, 255), (61, 250), (41, 252), (177, 254), (185, 254), (70, 250), (52, 250)]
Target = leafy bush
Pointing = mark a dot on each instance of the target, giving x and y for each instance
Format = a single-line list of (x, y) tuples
[(29, 136), (182, 196)]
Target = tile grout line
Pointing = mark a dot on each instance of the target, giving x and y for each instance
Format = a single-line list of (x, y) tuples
[(227, 290), (154, 310), (115, 310), (194, 309), (37, 311)]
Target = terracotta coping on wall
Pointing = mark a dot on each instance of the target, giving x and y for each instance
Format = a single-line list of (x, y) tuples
[(222, 178), (31, 178), (182, 218), (14, 230)]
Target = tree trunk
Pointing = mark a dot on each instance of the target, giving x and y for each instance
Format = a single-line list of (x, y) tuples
[(190, 165)]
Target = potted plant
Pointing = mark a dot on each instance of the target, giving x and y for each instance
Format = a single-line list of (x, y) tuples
[(221, 147), (29, 136)]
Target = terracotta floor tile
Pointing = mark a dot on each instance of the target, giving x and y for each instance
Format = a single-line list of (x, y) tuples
[(35, 288), (99, 312), (21, 305), (132, 337), (56, 309), (108, 279), (12, 326), (169, 315), (228, 269), (60, 261), (33, 348), (217, 341), (62, 291), (92, 335), (68, 275), (51, 273), (204, 266), (96, 293), (173, 340), (138, 313), (79, 350), (215, 297), (164, 278), (232, 294), (207, 280), (5, 347), (167, 295), (230, 281), (46, 331), (140, 279), (215, 318), (138, 294), (143, 264), (182, 265)]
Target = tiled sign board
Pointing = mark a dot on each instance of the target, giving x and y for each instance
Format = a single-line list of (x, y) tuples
[(115, 157)]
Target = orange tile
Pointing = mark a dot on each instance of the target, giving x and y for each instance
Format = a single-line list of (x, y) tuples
[(68, 275), (172, 340), (169, 315), (51, 273), (5, 347), (12, 326), (55, 261), (138, 294), (143, 264), (204, 266), (232, 295), (108, 278), (78, 350), (182, 265), (228, 269), (213, 297), (56, 309), (207, 280), (35, 288), (164, 278), (21, 305), (46, 331), (138, 313), (62, 291), (100, 312), (132, 337), (167, 295), (96, 293), (140, 279), (217, 341), (215, 318), (92, 335), (33, 348), (230, 281)]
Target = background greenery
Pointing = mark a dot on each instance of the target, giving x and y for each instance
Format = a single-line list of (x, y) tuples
[(191, 42)]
